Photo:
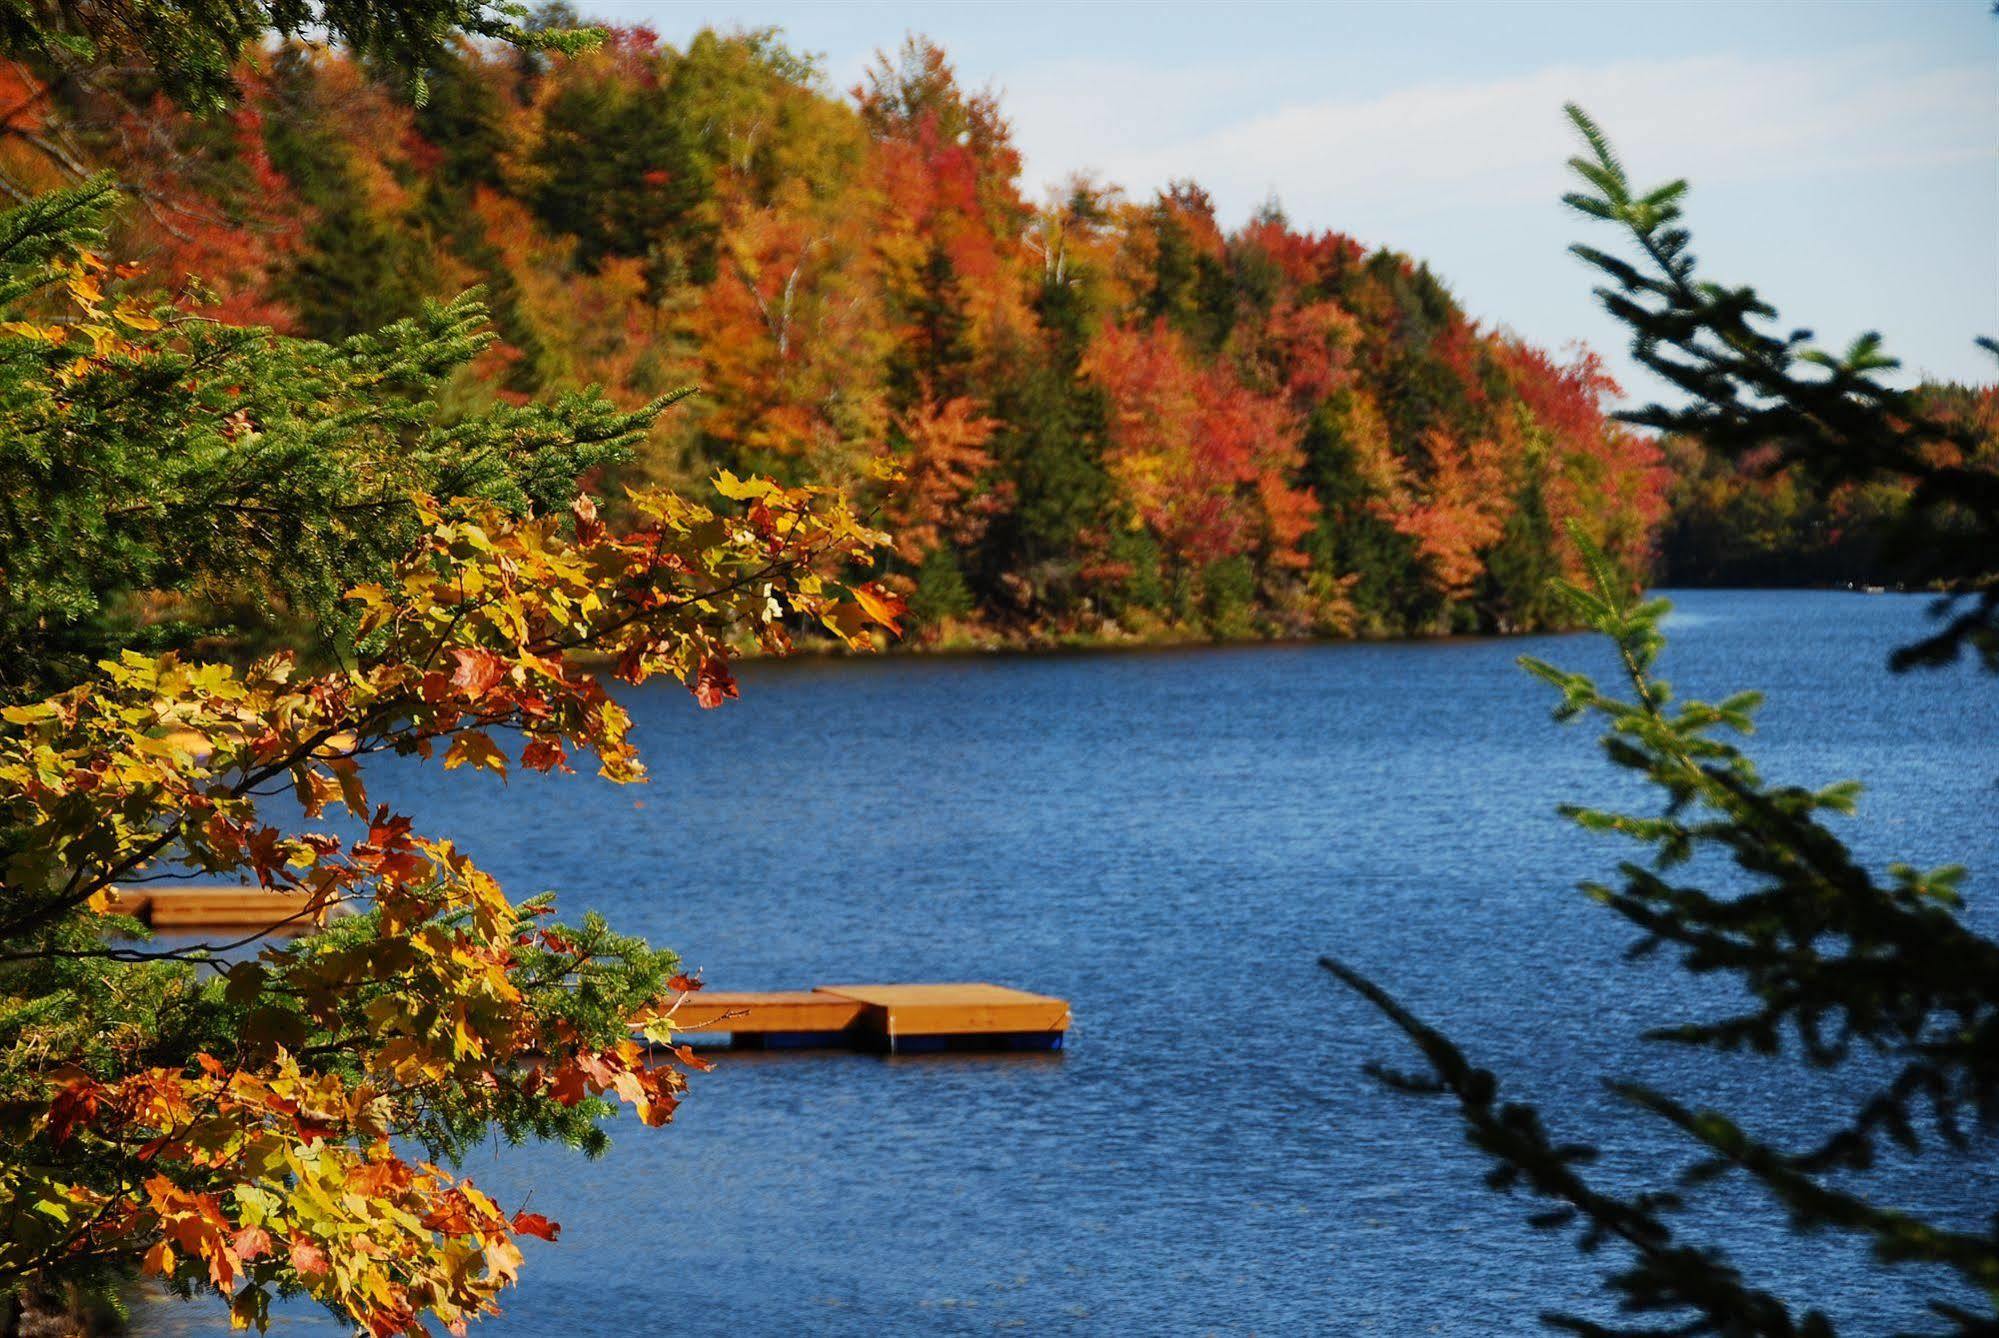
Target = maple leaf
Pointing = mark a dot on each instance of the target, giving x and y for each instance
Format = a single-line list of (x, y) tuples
[(252, 1243), (477, 750), (685, 1054), (568, 1087), (742, 490), (477, 671), (221, 1265), (309, 1259), (76, 1104), (880, 605), (159, 1259), (534, 1224), (503, 1259), (714, 684), (541, 755)]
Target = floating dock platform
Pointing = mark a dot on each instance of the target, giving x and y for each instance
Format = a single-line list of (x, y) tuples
[(898, 1019), (218, 908)]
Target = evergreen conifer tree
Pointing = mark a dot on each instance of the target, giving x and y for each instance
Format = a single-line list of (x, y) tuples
[(199, 480), (190, 47), (1747, 388), (1050, 447), (1835, 961)]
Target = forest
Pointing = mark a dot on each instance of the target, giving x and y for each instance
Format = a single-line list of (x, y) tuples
[(1086, 417)]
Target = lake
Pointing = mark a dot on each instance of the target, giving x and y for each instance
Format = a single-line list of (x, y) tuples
[(1169, 840)]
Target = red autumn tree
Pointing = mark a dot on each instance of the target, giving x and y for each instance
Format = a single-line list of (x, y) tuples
[(1205, 461)]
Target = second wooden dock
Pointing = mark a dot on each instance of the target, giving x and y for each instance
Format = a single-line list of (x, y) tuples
[(186, 908)]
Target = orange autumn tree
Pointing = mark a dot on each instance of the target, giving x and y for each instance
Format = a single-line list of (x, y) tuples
[(786, 328), (1456, 512), (943, 456), (791, 343), (209, 205), (1603, 476), (283, 1119)]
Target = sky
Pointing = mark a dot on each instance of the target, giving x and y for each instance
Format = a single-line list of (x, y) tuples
[(1844, 154)]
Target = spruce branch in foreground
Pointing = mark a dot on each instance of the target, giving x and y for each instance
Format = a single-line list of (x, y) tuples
[(1835, 962), (191, 47), (1830, 415)]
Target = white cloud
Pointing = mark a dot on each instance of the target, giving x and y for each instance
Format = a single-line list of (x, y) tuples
[(1345, 163)]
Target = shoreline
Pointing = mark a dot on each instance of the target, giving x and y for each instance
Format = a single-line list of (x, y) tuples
[(1054, 648)]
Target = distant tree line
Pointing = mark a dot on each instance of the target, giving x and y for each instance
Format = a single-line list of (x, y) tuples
[(1755, 521)]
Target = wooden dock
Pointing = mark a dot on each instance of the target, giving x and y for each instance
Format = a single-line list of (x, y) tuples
[(181, 908), (900, 1019)]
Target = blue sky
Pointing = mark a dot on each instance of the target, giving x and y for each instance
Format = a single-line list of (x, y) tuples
[(1844, 156)]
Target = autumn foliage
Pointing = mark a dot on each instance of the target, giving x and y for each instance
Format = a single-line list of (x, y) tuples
[(1116, 416), (1756, 520), (446, 995), (241, 1168)]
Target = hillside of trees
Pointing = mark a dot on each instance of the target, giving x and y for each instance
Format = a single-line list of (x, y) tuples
[(1082, 417)]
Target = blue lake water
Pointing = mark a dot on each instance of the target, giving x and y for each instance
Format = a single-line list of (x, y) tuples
[(1169, 841)]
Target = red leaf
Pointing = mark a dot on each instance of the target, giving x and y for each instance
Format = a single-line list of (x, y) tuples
[(221, 1269), (567, 1087), (715, 684), (534, 1224), (684, 983), (76, 1104), (252, 1243), (541, 755), (308, 1259), (685, 1054)]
